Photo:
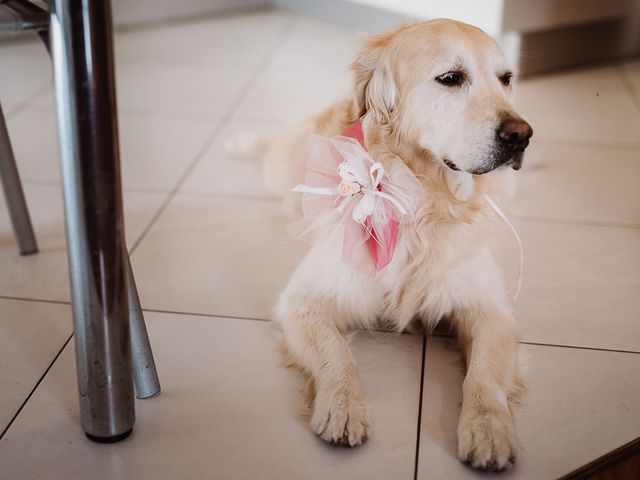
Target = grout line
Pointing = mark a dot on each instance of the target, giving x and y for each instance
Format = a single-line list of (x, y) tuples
[(35, 387), (197, 314), (223, 196), (170, 194), (628, 85), (422, 370), (153, 310), (132, 112), (256, 319), (241, 95), (587, 144), (22, 105), (146, 25), (251, 81), (38, 300), (43, 182), (569, 221), (555, 345), (577, 347)]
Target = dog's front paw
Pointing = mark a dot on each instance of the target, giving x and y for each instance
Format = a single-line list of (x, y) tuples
[(487, 440), (341, 417)]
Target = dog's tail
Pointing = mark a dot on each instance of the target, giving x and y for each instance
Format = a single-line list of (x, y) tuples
[(246, 145), (282, 155)]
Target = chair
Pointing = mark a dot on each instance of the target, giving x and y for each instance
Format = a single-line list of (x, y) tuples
[(106, 307)]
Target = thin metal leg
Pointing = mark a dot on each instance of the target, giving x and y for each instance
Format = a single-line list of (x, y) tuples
[(14, 195), (44, 36), (145, 375), (82, 51)]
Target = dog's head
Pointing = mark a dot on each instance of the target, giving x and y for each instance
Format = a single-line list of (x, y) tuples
[(444, 87)]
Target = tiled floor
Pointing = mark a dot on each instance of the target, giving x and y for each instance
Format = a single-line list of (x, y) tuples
[(210, 255)]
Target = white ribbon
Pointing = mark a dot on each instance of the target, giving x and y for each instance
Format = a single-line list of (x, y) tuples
[(504, 218), (353, 173)]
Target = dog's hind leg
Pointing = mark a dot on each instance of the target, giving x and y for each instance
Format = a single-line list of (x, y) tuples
[(340, 413), (486, 431)]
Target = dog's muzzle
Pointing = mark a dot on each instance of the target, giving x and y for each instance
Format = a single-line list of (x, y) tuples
[(511, 140)]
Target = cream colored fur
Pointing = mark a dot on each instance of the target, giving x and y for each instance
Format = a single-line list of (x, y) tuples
[(442, 267)]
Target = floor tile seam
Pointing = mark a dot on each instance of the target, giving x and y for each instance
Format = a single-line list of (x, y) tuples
[(242, 93), (139, 113), (36, 182), (25, 103), (259, 319), (35, 300), (420, 401), (572, 142), (33, 390), (45, 182), (554, 345), (628, 85), (228, 196), (205, 315), (194, 19), (579, 347), (144, 309), (574, 222)]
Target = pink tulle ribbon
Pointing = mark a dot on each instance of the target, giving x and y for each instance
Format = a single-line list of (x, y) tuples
[(344, 185)]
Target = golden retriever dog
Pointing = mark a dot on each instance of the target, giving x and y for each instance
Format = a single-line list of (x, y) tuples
[(438, 96)]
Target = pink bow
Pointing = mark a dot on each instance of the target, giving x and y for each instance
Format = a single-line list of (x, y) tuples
[(344, 182)]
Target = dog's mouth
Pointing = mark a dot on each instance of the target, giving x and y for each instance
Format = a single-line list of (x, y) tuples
[(450, 164), (514, 161)]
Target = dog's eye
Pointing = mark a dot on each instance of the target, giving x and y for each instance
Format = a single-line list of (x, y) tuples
[(451, 79), (505, 78)]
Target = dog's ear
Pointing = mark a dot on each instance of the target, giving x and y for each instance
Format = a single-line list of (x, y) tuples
[(374, 88)]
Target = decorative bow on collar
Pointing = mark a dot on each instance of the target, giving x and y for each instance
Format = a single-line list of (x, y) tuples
[(344, 182)]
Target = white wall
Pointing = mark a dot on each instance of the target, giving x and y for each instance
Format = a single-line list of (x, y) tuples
[(486, 14), (500, 16), (127, 12)]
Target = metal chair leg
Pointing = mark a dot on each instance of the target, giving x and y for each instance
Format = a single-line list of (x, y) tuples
[(145, 375), (14, 195), (82, 50)]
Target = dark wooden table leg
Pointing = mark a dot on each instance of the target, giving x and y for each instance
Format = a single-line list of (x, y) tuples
[(82, 51)]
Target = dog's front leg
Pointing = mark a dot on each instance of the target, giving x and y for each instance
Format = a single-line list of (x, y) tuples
[(340, 413), (486, 431)]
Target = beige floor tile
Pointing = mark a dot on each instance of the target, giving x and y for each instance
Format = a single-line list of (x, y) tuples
[(580, 405), (312, 42), (285, 92), (220, 171), (631, 70), (26, 69), (155, 150), (181, 89), (218, 256), (213, 40), (228, 410), (592, 79), (31, 335), (174, 88), (44, 275), (590, 106), (577, 182), (580, 285)]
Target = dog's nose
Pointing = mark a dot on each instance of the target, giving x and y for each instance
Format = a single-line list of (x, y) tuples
[(515, 133)]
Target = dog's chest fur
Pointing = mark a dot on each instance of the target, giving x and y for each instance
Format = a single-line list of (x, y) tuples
[(437, 265)]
